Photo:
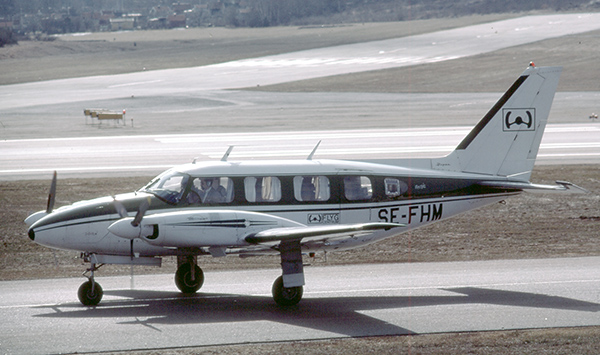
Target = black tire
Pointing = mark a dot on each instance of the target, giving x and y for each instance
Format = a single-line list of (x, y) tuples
[(87, 297), (286, 296), (183, 278)]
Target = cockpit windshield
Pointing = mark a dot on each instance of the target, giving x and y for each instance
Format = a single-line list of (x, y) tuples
[(168, 186)]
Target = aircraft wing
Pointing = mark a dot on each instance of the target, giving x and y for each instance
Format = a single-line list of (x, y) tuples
[(561, 186), (306, 233)]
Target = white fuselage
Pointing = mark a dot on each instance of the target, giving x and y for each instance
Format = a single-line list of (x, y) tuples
[(264, 195)]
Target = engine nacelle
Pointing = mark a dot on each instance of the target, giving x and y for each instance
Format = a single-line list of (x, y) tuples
[(217, 228)]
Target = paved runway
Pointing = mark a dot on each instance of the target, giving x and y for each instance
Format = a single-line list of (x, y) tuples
[(44, 316), (149, 155), (176, 102), (51, 108), (405, 51)]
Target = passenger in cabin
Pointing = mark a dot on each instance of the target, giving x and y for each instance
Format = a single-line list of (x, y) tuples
[(207, 193), (216, 184), (211, 191)]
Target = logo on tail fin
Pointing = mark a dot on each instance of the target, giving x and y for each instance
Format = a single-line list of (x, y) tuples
[(519, 119)]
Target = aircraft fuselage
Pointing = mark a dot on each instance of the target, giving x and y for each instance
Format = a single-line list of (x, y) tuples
[(310, 193)]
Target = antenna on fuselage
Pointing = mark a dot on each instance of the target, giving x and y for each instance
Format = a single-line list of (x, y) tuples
[(226, 155), (310, 156)]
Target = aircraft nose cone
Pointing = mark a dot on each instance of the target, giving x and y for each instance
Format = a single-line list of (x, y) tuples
[(123, 228), (31, 234)]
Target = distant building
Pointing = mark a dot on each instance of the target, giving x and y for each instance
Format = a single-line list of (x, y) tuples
[(180, 8), (121, 24), (6, 23), (176, 21)]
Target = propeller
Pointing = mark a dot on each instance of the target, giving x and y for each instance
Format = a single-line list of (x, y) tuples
[(127, 227), (51, 195), (141, 212), (30, 220), (121, 210)]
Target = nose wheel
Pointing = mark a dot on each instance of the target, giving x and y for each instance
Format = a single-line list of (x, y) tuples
[(90, 292)]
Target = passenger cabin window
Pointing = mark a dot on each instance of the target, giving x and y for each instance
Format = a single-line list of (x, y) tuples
[(357, 188), (262, 189), (394, 187), (311, 188), (210, 190)]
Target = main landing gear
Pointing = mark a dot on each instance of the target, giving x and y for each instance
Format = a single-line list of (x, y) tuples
[(189, 276), (287, 289), (286, 296)]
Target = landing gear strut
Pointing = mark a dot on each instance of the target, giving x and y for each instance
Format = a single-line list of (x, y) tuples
[(287, 288), (189, 276), (90, 293)]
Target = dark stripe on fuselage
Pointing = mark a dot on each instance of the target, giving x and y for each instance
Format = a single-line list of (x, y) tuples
[(233, 223), (316, 208), (491, 113), (437, 189), (75, 222)]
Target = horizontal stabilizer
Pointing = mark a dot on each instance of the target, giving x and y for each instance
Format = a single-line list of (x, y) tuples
[(293, 233), (561, 186)]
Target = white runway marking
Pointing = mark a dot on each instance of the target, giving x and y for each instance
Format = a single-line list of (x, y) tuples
[(119, 155)]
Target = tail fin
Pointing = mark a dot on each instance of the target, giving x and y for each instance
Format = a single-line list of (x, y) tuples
[(506, 141)]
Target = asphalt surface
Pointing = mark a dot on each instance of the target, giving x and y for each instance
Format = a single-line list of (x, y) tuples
[(235, 307)]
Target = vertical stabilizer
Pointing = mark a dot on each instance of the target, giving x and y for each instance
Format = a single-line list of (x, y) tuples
[(506, 141)]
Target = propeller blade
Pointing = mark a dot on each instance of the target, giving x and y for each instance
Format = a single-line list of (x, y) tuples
[(51, 195), (140, 213), (121, 210)]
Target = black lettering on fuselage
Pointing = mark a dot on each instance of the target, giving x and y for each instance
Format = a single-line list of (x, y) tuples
[(431, 212), (390, 215), (423, 213), (412, 212)]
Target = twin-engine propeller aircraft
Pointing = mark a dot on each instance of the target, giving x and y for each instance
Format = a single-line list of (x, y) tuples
[(296, 207)]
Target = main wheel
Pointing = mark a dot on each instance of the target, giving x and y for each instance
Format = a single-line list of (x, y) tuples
[(286, 296), (88, 295), (184, 281)]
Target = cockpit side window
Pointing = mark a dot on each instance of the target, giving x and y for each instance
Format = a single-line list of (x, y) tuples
[(311, 188), (168, 187), (208, 190), (262, 188)]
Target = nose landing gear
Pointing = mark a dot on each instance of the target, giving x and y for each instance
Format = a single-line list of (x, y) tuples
[(90, 292)]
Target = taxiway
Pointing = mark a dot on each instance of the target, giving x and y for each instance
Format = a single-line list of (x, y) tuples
[(44, 316)]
